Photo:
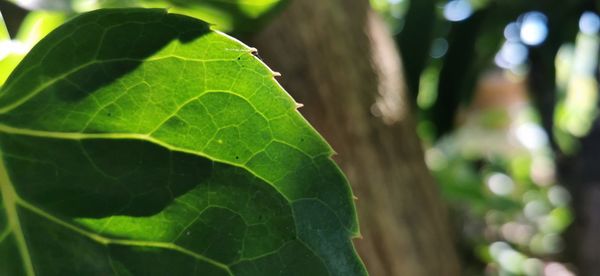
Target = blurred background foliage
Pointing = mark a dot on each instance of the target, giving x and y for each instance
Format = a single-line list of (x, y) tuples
[(238, 16), (504, 92)]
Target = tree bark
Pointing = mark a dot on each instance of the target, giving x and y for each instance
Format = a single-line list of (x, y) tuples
[(580, 174), (338, 58)]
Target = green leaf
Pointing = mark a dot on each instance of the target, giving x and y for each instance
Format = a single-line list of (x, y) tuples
[(138, 142), (35, 26), (8, 61), (4, 35), (9, 56), (239, 16)]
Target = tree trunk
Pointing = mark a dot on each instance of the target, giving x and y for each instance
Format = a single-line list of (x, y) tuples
[(338, 58), (580, 173)]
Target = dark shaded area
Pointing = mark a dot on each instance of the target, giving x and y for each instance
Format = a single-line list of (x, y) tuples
[(272, 264), (100, 177), (414, 41), (562, 27), (457, 79), (580, 173), (13, 16), (10, 262)]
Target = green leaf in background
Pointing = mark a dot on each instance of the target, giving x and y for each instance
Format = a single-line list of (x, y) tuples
[(237, 16), (4, 36), (137, 142), (9, 57), (35, 26)]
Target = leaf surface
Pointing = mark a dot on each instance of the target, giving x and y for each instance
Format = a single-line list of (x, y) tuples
[(138, 142)]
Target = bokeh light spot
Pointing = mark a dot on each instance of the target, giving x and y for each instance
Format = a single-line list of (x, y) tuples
[(534, 29), (589, 23), (457, 10)]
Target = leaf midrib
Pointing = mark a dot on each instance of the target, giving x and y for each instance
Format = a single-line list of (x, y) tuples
[(134, 136), (9, 200), (147, 138)]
